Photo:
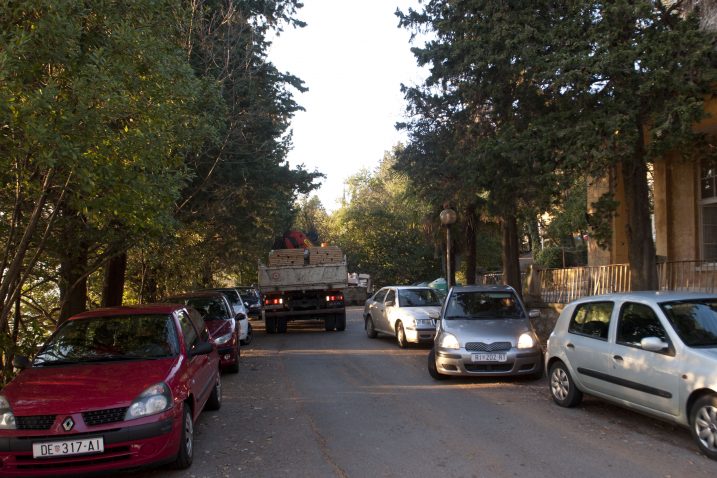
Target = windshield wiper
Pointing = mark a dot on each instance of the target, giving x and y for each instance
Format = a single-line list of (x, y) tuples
[(458, 317), (56, 362)]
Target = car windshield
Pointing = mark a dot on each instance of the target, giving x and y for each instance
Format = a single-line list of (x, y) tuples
[(418, 298), (482, 306), (101, 339), (695, 321), (248, 295)]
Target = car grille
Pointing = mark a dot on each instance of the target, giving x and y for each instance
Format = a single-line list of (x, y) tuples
[(489, 367), (484, 347), (100, 417), (37, 422)]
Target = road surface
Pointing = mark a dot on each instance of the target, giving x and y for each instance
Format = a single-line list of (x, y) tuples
[(311, 403)]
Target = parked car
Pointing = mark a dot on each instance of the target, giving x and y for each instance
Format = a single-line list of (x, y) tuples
[(403, 312), (252, 299), (223, 325), (111, 389), (241, 312), (653, 352), (485, 331)]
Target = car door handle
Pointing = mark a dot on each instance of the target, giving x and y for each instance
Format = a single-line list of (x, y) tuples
[(617, 358)]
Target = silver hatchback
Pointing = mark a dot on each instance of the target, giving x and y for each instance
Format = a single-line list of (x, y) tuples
[(485, 331), (653, 352)]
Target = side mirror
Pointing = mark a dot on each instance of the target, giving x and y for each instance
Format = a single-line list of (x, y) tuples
[(21, 362), (202, 348), (654, 344), (240, 316), (534, 313)]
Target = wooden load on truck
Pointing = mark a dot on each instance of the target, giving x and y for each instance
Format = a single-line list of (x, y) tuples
[(304, 284)]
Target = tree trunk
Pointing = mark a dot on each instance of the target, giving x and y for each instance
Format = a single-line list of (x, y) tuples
[(470, 231), (640, 244), (73, 269), (511, 253), (113, 286)]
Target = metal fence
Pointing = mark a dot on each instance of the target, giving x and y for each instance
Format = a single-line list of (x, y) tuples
[(561, 286)]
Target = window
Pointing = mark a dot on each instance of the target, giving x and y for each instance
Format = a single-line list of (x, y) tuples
[(191, 338), (380, 295), (391, 296), (592, 319), (636, 322), (708, 209)]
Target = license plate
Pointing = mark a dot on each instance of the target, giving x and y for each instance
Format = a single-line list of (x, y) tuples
[(68, 447), (489, 357)]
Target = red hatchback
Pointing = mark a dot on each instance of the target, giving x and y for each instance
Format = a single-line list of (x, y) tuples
[(111, 389)]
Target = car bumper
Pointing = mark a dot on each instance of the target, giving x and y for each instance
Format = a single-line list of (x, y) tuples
[(460, 362), (227, 356), (420, 336), (125, 448)]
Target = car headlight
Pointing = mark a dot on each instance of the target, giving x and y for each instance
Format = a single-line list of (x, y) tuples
[(448, 341), (221, 340), (526, 341), (424, 322), (7, 419), (155, 399)]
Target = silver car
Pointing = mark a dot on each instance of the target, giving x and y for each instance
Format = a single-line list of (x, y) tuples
[(403, 312), (653, 352), (485, 331)]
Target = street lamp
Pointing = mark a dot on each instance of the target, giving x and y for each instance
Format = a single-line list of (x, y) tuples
[(448, 217)]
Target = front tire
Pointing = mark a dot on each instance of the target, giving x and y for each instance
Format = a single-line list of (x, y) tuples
[(703, 424), (562, 386), (185, 455), (215, 399), (432, 369), (401, 335), (249, 336), (370, 329)]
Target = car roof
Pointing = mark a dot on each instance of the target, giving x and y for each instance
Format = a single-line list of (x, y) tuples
[(141, 309), (483, 288), (652, 295), (197, 293), (410, 287)]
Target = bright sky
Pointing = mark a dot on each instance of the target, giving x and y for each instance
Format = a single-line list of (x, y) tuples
[(353, 58)]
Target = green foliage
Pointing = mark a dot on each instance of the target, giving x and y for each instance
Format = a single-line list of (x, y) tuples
[(381, 228), (525, 96)]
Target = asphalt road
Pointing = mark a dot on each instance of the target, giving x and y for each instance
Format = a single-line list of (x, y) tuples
[(311, 403)]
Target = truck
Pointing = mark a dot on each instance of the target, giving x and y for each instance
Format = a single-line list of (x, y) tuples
[(304, 284)]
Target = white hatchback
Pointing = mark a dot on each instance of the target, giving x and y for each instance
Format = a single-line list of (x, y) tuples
[(654, 352)]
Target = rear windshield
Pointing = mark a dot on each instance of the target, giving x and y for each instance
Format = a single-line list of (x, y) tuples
[(483, 306), (694, 321)]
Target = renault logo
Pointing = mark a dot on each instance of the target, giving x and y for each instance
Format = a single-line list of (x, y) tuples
[(68, 424)]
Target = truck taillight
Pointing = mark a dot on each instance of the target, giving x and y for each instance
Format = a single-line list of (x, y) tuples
[(334, 298), (273, 301)]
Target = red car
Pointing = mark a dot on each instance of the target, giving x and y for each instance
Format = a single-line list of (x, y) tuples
[(223, 324), (111, 389)]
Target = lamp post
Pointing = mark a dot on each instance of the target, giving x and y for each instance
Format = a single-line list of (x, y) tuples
[(448, 217)]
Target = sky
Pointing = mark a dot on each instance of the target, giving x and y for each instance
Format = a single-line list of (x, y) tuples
[(353, 58)]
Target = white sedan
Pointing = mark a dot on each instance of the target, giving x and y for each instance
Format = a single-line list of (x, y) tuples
[(405, 312), (653, 352)]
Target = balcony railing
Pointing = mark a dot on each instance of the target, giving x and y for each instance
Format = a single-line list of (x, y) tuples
[(564, 285)]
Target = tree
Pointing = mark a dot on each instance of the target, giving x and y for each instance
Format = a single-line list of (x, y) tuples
[(382, 229), (532, 94)]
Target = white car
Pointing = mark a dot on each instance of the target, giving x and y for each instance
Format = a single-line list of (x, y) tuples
[(653, 352), (405, 312)]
